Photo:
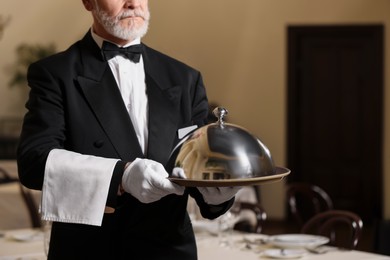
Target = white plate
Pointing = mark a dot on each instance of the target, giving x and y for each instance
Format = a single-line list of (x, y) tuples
[(256, 238), (285, 253), (28, 236), (297, 240)]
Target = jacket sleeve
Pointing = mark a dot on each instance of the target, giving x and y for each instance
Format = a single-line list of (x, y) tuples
[(44, 129), (43, 126), (206, 210)]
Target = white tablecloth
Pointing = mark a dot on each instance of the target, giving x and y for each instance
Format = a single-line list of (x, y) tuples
[(209, 249), (12, 248)]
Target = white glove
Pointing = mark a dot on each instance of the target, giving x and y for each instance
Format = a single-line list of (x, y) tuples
[(147, 181), (218, 195), (178, 172)]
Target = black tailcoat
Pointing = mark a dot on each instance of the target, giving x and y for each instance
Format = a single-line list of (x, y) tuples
[(75, 104)]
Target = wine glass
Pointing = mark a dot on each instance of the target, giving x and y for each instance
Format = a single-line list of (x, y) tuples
[(226, 224)]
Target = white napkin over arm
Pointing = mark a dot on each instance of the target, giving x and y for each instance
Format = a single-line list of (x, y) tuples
[(75, 187)]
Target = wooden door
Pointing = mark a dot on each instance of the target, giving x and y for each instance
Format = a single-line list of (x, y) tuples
[(335, 85)]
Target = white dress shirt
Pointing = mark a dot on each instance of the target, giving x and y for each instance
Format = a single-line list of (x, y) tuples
[(130, 78)]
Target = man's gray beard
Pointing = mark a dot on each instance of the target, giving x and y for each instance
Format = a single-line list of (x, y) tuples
[(112, 24)]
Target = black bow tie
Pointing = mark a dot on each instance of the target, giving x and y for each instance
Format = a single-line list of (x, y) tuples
[(110, 50)]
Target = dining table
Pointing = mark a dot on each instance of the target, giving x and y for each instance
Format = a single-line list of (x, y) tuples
[(20, 242), (28, 244), (209, 248)]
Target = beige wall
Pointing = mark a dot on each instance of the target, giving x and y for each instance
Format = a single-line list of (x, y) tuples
[(240, 47)]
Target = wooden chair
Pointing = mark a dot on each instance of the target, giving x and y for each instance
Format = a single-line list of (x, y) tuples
[(32, 207), (306, 200), (259, 213), (5, 177), (27, 196), (342, 227)]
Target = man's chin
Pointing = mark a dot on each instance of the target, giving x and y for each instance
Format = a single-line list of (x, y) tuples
[(130, 35)]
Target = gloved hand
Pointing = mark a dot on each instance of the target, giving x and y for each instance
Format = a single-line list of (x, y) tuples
[(218, 195), (211, 195), (147, 181), (178, 172)]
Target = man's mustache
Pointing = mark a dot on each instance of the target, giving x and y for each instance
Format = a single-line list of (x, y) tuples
[(133, 13)]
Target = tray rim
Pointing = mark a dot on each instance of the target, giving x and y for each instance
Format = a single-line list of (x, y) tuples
[(233, 182)]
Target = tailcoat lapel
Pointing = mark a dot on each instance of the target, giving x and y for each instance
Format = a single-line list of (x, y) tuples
[(102, 93), (162, 121), (164, 101)]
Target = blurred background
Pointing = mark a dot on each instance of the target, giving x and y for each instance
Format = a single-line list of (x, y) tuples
[(308, 78)]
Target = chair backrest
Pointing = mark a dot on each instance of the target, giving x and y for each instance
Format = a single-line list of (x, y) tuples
[(342, 227), (260, 216), (31, 206), (5, 177), (27, 196), (306, 200)]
